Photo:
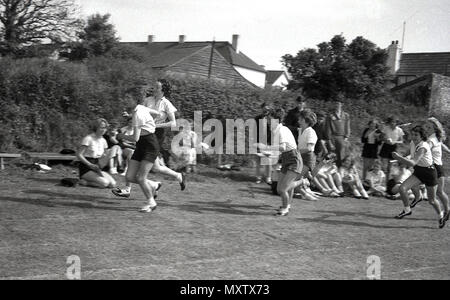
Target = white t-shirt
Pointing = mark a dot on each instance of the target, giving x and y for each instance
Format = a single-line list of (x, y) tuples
[(308, 136), (393, 134), (96, 146), (427, 158), (164, 106), (285, 136), (436, 149), (143, 119)]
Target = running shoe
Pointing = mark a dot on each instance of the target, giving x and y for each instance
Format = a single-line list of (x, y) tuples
[(403, 214), (148, 208), (121, 192), (446, 216), (283, 212)]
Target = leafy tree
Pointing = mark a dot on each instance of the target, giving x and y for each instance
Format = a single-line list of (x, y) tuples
[(355, 70), (97, 38), (28, 22)]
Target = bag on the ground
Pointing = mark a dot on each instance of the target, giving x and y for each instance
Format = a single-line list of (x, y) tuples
[(69, 182)]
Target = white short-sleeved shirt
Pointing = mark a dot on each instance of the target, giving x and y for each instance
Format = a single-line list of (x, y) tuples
[(164, 106), (427, 158), (96, 146), (143, 119), (285, 136), (436, 149), (393, 134), (308, 136)]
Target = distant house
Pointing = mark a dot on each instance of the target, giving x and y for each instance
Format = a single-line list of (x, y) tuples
[(276, 78), (409, 66), (422, 79), (224, 62)]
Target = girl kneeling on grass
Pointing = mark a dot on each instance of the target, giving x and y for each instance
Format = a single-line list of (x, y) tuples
[(291, 161), (92, 157), (351, 178), (424, 172)]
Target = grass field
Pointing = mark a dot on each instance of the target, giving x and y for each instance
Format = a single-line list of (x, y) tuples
[(221, 227)]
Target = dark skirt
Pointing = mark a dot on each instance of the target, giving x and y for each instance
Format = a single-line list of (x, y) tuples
[(386, 151), (147, 148), (291, 160), (427, 175), (370, 151)]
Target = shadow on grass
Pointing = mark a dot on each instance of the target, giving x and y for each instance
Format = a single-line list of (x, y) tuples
[(55, 199), (359, 224), (358, 214), (225, 208), (233, 175)]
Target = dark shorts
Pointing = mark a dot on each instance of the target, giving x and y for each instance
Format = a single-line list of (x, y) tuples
[(370, 151), (83, 169), (440, 171), (427, 175), (147, 148), (309, 162), (386, 151), (291, 160)]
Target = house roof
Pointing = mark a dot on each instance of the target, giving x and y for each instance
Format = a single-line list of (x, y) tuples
[(424, 63), (167, 53), (273, 75)]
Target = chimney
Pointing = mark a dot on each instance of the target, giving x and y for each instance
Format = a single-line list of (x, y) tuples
[(235, 42), (150, 39), (394, 54), (181, 38)]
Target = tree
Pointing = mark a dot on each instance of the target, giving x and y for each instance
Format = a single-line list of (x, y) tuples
[(97, 38), (355, 70), (27, 22)]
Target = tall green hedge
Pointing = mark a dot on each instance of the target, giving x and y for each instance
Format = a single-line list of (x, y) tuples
[(47, 105)]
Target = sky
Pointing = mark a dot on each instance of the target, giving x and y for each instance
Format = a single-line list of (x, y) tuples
[(269, 29)]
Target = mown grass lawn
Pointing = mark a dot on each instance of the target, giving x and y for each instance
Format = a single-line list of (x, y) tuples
[(221, 227)]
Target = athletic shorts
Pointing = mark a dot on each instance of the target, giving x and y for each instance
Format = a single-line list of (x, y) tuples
[(427, 175), (440, 171), (83, 169), (147, 148), (291, 160)]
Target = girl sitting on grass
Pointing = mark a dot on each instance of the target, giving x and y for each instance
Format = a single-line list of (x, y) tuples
[(350, 177), (376, 180)]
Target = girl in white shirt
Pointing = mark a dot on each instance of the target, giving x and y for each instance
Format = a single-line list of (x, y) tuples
[(436, 138), (93, 148), (424, 172), (291, 161), (144, 156), (307, 139)]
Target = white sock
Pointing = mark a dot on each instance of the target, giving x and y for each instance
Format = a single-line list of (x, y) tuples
[(152, 202), (127, 189), (441, 214), (407, 209), (180, 177)]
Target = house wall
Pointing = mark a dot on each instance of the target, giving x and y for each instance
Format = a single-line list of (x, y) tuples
[(440, 97), (255, 77), (198, 65), (281, 82)]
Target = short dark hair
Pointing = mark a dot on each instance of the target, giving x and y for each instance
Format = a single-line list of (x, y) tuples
[(421, 131), (309, 116), (278, 114), (97, 123), (166, 88), (300, 98)]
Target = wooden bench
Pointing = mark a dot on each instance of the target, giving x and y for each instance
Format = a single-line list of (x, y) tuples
[(46, 156), (7, 155)]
